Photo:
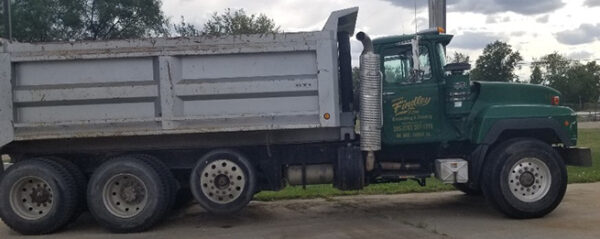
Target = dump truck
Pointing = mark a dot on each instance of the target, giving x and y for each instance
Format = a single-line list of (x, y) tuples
[(124, 128)]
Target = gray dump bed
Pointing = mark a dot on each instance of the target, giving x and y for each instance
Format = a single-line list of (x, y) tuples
[(171, 86)]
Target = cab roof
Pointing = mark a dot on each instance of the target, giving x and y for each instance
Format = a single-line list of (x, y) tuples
[(441, 38)]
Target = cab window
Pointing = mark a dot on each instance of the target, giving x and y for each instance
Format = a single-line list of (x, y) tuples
[(399, 68)]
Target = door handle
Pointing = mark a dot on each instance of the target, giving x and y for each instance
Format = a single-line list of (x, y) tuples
[(389, 93)]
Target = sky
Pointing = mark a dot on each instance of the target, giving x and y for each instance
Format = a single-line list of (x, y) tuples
[(533, 27)]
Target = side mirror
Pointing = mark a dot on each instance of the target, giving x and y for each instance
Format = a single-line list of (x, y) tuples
[(417, 72), (416, 54), (457, 68)]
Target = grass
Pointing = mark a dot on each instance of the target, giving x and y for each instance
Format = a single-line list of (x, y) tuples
[(327, 191), (587, 138)]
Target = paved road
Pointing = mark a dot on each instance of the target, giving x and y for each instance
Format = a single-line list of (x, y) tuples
[(431, 215)]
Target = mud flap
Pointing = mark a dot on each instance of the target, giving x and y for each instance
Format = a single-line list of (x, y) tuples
[(576, 156), (350, 169)]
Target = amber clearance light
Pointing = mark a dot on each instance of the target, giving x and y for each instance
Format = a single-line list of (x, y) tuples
[(555, 100)]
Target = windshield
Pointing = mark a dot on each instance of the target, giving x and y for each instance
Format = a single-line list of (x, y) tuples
[(398, 66)]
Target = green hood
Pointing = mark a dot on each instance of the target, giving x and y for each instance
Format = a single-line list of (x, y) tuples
[(514, 93)]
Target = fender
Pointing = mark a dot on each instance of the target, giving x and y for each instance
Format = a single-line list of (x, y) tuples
[(490, 122), (527, 124)]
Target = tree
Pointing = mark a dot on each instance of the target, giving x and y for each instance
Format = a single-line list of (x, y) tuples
[(460, 58), (184, 29), (536, 75), (234, 22), (118, 19), (555, 67), (497, 63), (583, 81), (578, 83), (67, 20), (45, 20)]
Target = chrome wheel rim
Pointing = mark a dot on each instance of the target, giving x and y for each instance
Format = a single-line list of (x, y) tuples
[(31, 198), (222, 181), (529, 179), (125, 195)]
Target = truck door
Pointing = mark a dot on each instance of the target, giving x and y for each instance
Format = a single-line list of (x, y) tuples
[(411, 100)]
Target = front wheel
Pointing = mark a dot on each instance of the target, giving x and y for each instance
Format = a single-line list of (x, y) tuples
[(524, 178)]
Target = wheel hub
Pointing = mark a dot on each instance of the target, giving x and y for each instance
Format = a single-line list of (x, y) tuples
[(40, 194), (529, 179), (124, 195), (31, 198), (132, 192), (222, 181)]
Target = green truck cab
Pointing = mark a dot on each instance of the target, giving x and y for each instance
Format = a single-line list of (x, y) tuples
[(510, 135)]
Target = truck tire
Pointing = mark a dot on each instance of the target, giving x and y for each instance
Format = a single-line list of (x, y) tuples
[(165, 174), (466, 189), (524, 178), (37, 197), (127, 194), (80, 181), (223, 181)]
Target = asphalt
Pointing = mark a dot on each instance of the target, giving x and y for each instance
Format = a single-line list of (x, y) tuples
[(424, 215)]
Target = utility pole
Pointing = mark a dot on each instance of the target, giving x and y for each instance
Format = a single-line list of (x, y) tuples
[(437, 14), (7, 20)]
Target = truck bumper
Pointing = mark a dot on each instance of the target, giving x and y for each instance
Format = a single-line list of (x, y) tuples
[(577, 156)]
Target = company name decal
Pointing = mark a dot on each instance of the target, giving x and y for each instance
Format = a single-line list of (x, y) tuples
[(402, 106)]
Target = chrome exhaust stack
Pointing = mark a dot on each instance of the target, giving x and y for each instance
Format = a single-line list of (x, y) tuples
[(370, 100)]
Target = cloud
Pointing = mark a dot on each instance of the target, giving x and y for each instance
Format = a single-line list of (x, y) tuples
[(592, 3), (525, 7), (421, 22), (410, 3), (580, 55), (491, 19), (543, 19), (517, 34), (496, 19), (585, 33), (475, 40)]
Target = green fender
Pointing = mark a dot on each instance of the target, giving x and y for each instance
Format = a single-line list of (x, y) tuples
[(491, 121)]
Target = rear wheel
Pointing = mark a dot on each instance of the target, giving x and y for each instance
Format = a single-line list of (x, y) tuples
[(524, 178), (127, 194), (165, 174), (80, 181), (37, 197), (223, 181)]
